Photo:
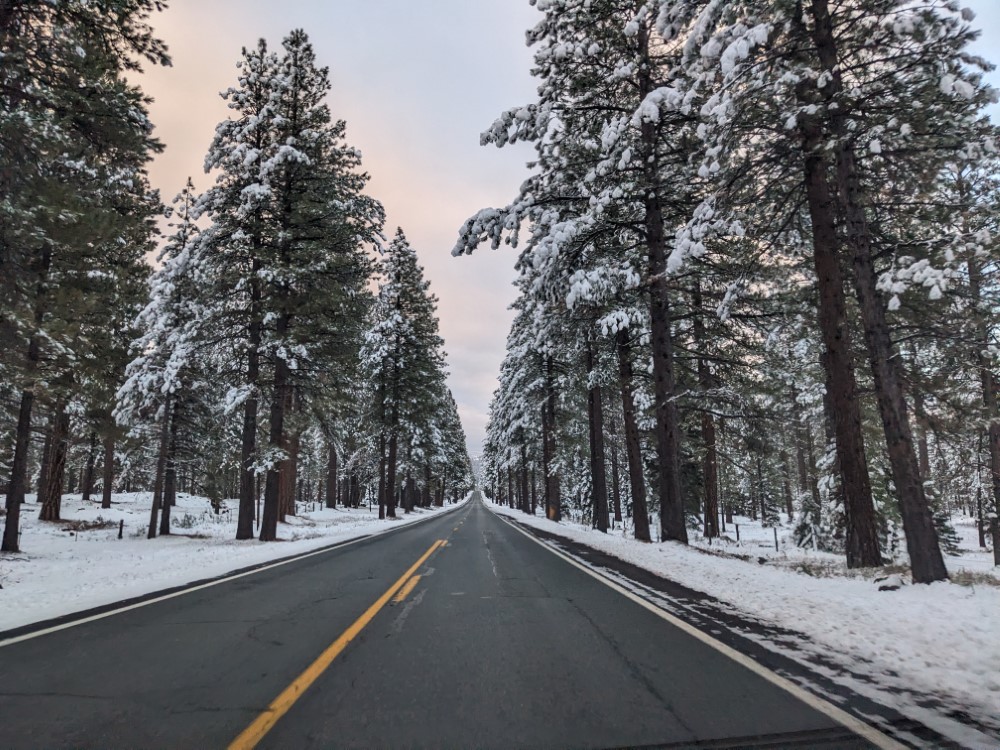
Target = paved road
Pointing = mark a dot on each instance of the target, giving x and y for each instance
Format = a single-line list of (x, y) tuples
[(499, 644)]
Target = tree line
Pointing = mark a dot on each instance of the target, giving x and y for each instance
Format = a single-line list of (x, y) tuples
[(757, 273), (278, 350)]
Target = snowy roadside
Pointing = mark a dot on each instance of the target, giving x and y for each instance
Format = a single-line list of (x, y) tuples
[(940, 642), (65, 567)]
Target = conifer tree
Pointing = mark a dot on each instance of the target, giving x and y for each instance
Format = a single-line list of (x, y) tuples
[(64, 94)]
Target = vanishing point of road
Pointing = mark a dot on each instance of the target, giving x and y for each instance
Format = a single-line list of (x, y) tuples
[(456, 632)]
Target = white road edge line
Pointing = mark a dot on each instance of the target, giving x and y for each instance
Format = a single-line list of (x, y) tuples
[(226, 579), (857, 726)]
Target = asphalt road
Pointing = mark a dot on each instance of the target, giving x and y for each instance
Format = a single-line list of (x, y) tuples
[(500, 643)]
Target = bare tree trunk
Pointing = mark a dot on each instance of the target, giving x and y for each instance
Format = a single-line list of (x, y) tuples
[(598, 470), (633, 449), (52, 502), (108, 479)]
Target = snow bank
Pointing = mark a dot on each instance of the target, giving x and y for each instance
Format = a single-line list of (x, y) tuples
[(62, 570)]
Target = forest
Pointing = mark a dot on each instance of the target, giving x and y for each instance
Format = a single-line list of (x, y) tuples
[(261, 340), (757, 274)]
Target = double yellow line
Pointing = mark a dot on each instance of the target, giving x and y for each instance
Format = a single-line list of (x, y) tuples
[(254, 733)]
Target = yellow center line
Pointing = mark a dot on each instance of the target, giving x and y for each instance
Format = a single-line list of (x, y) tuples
[(405, 591), (254, 733)]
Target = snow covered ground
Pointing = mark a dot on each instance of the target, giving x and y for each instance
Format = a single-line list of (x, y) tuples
[(940, 641), (66, 567)]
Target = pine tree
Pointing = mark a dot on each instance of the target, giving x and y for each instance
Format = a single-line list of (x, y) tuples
[(63, 93), (285, 250)]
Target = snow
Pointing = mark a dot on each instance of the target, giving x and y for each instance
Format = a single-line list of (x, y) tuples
[(939, 642), (59, 572)]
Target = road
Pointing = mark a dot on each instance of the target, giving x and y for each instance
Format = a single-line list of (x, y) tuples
[(499, 643)]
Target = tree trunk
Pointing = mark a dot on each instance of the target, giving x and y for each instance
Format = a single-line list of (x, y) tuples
[(390, 475), (18, 473), (87, 486), (862, 537), (276, 442), (616, 485), (108, 479), (786, 477), (288, 483), (410, 490), (923, 450), (988, 382), (803, 450), (331, 476), (598, 470), (52, 502), (666, 428), (41, 486), (510, 488), (427, 486), (633, 449), (248, 439), (534, 491), (553, 509), (22, 438), (525, 501), (381, 476), (922, 543), (161, 465), (170, 474), (710, 459), (667, 418)]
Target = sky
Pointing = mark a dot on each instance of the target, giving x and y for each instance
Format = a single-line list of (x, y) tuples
[(417, 81)]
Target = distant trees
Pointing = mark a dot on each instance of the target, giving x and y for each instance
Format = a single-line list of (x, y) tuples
[(740, 202), (418, 436)]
